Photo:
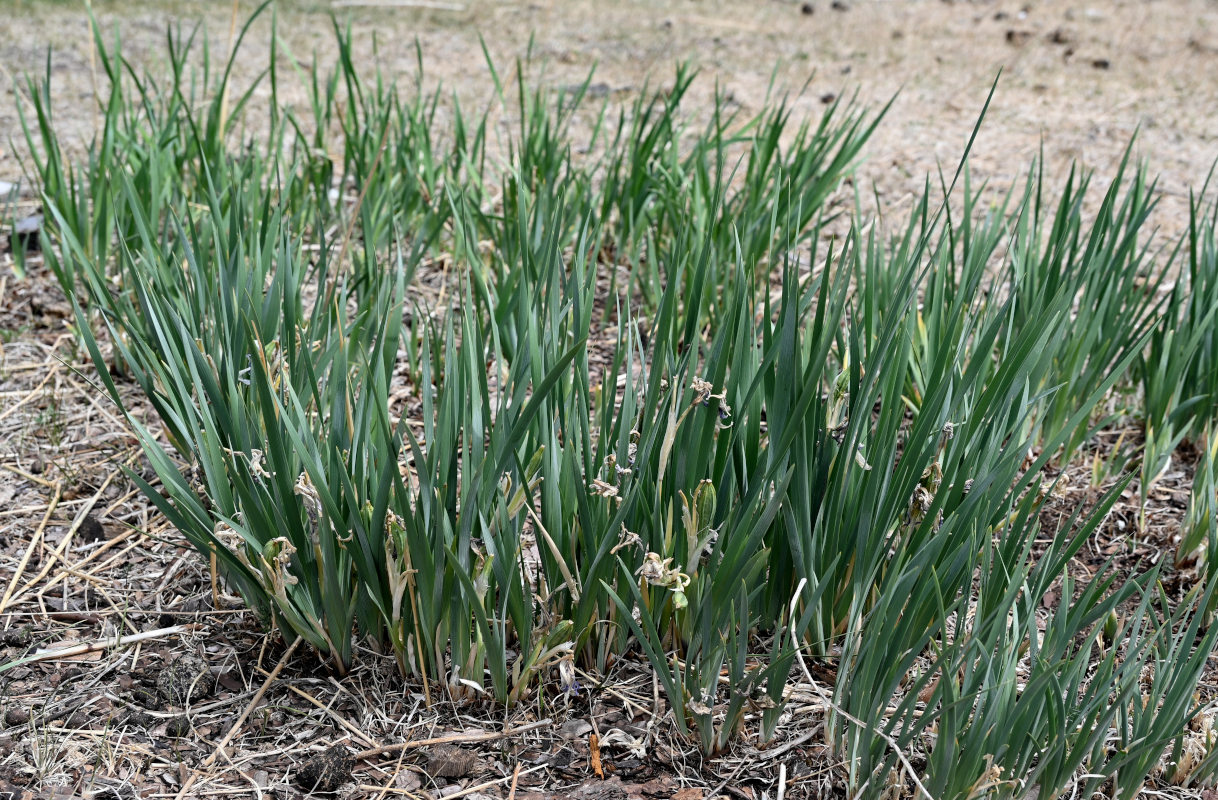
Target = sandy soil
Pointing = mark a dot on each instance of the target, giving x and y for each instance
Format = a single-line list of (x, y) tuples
[(1077, 80)]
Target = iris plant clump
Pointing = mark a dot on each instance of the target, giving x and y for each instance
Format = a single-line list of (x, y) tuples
[(502, 410)]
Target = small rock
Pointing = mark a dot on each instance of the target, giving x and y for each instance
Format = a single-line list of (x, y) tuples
[(187, 679), (16, 716), (1101, 63), (326, 772), (8, 190), (839, 5), (807, 9)]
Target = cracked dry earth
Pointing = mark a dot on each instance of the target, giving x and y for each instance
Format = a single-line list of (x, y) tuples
[(83, 558)]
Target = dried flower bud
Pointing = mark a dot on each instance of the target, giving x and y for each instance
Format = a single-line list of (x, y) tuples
[(277, 559), (226, 535), (566, 675), (600, 488), (626, 539), (653, 569), (309, 498), (256, 468), (660, 572)]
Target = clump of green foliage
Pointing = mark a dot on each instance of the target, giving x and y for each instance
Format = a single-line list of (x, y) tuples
[(500, 414)]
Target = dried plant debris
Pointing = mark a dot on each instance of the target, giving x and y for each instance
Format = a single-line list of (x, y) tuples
[(446, 761)]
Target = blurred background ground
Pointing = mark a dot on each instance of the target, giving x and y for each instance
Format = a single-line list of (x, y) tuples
[(1078, 78), (83, 558)]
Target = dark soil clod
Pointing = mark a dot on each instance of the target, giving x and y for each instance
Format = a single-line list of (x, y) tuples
[(807, 9), (18, 637), (91, 530), (326, 772), (178, 727), (140, 720), (188, 679), (148, 698), (1060, 36)]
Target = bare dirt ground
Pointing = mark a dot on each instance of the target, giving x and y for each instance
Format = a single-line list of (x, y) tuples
[(83, 558)]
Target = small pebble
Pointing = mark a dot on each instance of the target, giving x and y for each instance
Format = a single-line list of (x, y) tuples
[(16, 716)]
